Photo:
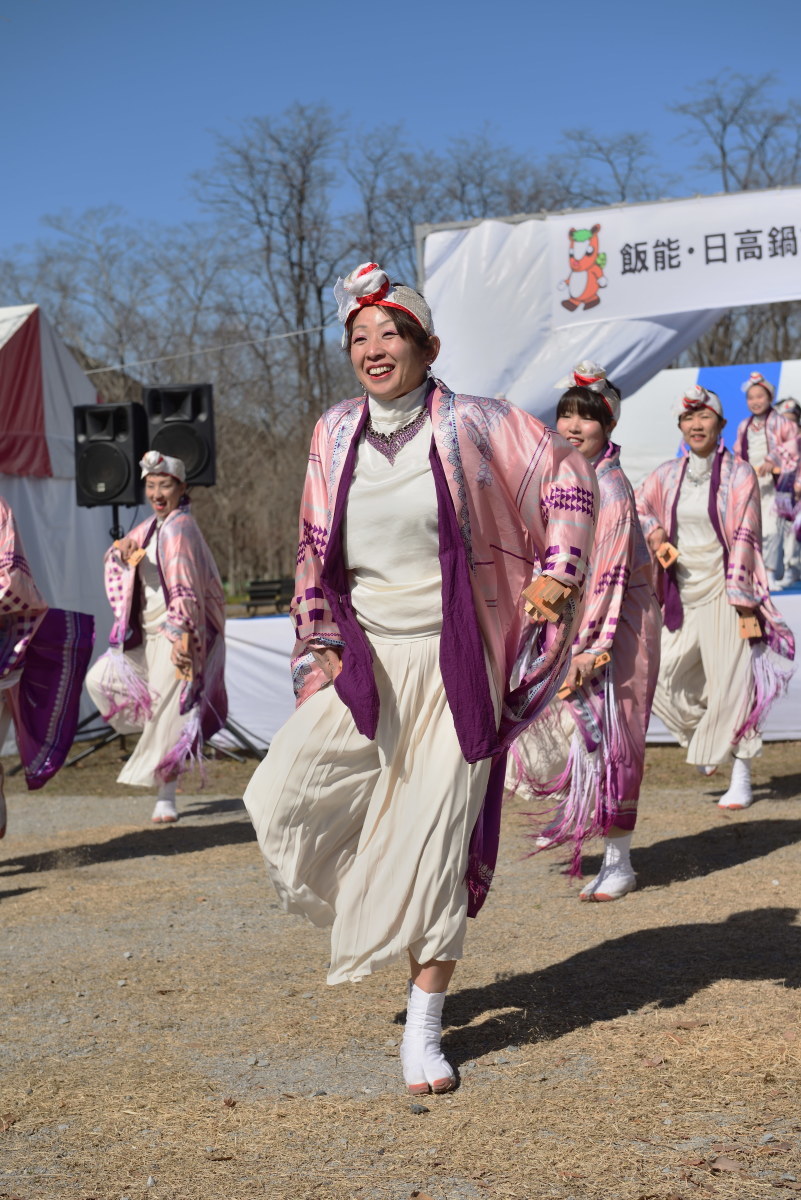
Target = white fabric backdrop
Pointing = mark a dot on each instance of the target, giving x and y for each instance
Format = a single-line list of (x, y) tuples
[(260, 689), (490, 287), (497, 288)]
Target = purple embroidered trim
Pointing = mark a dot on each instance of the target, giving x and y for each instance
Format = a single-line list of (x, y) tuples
[(390, 444)]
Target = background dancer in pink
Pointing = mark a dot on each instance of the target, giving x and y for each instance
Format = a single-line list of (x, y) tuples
[(788, 503), (44, 653), (586, 753), (769, 442), (378, 806), (164, 673), (726, 652)]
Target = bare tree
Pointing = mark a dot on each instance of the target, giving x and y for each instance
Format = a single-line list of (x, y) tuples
[(747, 141), (745, 138), (592, 170)]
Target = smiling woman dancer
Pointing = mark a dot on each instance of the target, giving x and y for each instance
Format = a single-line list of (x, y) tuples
[(769, 442), (726, 652), (378, 806), (586, 753), (164, 673)]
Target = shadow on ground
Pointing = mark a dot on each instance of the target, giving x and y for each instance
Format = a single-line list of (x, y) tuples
[(663, 966), (716, 849), (182, 838), (7, 895), (780, 787)]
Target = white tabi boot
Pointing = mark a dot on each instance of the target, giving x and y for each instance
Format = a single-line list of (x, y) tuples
[(616, 877), (425, 1068), (739, 794), (165, 812)]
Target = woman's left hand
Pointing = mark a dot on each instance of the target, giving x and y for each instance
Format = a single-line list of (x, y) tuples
[(765, 468), (181, 658), (581, 666), (329, 658)]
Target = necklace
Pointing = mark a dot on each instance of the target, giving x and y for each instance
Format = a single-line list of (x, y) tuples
[(698, 480), (389, 444)]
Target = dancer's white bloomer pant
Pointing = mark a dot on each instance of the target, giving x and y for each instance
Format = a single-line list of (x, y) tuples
[(705, 687), (373, 836), (152, 663)]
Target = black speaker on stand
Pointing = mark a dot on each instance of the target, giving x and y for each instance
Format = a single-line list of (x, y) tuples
[(180, 421), (110, 439)]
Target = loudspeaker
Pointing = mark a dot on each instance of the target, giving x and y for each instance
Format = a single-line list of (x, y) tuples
[(110, 439), (180, 421)]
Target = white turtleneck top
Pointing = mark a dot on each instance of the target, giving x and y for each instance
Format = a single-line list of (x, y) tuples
[(699, 568), (391, 529), (154, 609)]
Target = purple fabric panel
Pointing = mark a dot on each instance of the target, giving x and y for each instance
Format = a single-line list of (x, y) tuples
[(674, 611), (485, 838), (714, 488), (50, 692), (461, 650), (355, 685), (744, 448)]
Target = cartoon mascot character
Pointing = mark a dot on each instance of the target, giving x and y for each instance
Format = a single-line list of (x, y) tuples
[(586, 270)]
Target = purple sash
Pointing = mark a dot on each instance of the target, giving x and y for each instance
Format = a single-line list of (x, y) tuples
[(49, 694)]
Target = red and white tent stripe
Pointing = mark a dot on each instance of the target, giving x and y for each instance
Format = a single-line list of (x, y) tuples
[(40, 383)]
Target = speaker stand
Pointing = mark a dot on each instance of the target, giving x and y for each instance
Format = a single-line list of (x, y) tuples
[(116, 530), (243, 738), (109, 735)]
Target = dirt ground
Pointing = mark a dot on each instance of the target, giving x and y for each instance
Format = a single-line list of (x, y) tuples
[(167, 1030)]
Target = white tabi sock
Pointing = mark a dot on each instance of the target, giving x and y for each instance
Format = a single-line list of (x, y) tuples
[(616, 877), (165, 810), (424, 1065), (739, 794)]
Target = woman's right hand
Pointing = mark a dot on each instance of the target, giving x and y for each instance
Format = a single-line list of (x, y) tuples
[(329, 660), (125, 547), (655, 538)]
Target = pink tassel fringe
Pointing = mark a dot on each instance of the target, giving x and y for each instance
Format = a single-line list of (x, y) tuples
[(186, 754), (772, 676), (120, 679), (584, 791)]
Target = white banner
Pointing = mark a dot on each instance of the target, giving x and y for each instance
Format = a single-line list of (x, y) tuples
[(498, 289), (676, 256)]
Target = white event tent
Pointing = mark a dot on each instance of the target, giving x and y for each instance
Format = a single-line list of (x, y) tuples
[(40, 384)]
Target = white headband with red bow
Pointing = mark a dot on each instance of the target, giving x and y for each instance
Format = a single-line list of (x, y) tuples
[(698, 397), (593, 377), (154, 463), (757, 379), (368, 285)]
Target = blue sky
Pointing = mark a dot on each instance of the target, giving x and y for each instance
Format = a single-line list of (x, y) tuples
[(117, 102)]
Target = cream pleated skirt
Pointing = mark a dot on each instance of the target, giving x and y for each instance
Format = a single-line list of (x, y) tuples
[(152, 663), (372, 837)]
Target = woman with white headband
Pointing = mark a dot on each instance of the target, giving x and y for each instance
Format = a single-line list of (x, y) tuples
[(768, 441), (586, 753), (164, 673), (378, 806), (726, 652), (44, 653)]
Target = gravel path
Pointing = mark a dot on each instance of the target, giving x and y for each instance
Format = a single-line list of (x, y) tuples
[(168, 1031)]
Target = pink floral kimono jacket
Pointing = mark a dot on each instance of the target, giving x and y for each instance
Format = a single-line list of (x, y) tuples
[(735, 514), (195, 604), (600, 784), (784, 444), (511, 497), (45, 652), (782, 437)]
